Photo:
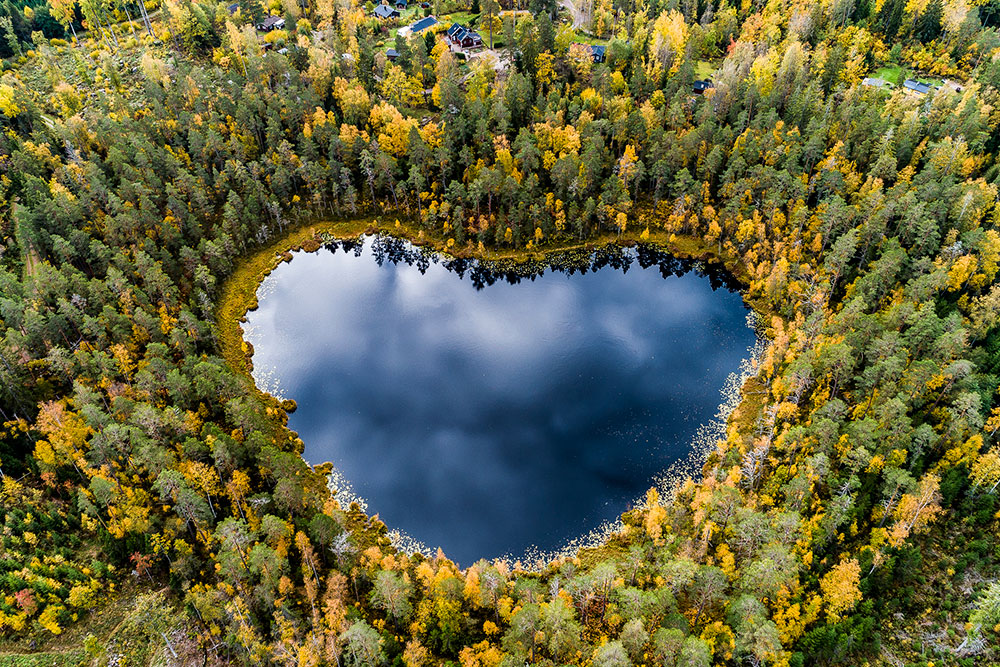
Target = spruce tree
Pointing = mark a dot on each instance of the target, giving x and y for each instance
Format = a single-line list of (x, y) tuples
[(890, 17), (929, 26)]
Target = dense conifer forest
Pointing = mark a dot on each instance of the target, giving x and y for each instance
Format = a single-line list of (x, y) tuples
[(842, 166)]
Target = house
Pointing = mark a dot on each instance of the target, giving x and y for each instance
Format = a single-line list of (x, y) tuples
[(283, 51), (233, 8), (425, 5), (463, 37), (418, 26), (400, 5), (917, 87), (386, 12), (392, 55), (702, 85), (597, 51), (875, 82), (272, 23)]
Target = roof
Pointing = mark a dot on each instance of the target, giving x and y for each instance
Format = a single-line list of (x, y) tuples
[(385, 11), (233, 7), (917, 86), (596, 50), (423, 24), (876, 82), (272, 21), (391, 53), (401, 3), (703, 84)]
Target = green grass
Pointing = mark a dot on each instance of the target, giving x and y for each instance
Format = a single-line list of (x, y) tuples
[(703, 69), (584, 38), (465, 18), (71, 658), (891, 73)]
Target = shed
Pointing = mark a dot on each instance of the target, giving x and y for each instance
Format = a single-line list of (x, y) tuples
[(392, 55), (701, 85), (875, 82)]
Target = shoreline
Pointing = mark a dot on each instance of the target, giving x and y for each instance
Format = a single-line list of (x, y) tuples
[(238, 295)]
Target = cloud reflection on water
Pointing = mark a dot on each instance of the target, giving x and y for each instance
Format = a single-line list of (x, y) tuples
[(489, 421)]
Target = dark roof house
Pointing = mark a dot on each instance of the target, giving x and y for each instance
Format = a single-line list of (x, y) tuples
[(464, 37), (386, 12), (272, 23), (917, 86), (392, 55), (233, 7), (701, 86), (597, 51), (423, 24), (400, 4)]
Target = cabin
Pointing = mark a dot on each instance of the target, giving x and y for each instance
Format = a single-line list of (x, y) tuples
[(701, 86), (917, 87), (233, 8), (401, 5), (392, 55), (386, 12), (597, 51), (272, 23), (463, 37)]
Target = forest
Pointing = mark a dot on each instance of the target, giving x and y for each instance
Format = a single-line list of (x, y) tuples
[(156, 508)]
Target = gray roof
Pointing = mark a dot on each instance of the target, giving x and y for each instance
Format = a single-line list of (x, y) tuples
[(272, 21), (385, 11), (917, 86), (876, 82)]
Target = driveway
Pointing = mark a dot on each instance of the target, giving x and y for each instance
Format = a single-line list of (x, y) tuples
[(578, 17)]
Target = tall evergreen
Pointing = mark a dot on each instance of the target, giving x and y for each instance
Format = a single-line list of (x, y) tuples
[(929, 25), (890, 17)]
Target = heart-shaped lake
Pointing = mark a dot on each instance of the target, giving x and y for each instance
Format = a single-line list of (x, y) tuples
[(488, 417)]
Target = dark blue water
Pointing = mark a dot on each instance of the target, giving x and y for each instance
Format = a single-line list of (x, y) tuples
[(489, 418)]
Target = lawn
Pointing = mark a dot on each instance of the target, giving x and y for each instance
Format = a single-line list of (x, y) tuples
[(703, 69), (465, 18), (584, 38), (891, 73)]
